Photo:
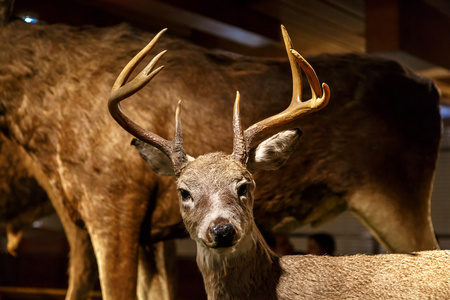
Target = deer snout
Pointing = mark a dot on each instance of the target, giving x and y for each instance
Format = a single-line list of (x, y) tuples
[(223, 235)]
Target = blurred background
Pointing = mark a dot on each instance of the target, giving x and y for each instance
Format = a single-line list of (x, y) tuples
[(414, 32)]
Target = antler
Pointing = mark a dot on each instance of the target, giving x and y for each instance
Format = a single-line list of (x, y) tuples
[(296, 109), (122, 90)]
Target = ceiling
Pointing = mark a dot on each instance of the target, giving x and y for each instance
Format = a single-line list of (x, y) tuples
[(414, 31)]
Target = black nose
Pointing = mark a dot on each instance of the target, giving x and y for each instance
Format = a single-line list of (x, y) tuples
[(223, 235)]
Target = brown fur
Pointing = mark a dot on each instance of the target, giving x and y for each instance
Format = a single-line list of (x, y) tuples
[(420, 275), (54, 82), (22, 200)]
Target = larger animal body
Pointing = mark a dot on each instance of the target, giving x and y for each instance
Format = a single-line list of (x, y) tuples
[(372, 150)]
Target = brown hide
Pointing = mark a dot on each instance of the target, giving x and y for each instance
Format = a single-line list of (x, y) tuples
[(372, 150), (22, 200)]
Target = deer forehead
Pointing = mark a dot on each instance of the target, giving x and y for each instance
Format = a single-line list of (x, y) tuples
[(214, 170)]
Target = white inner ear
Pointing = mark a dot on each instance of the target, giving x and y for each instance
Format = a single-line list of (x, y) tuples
[(276, 146), (273, 152)]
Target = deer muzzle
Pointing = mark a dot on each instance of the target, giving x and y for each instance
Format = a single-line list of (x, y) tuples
[(223, 235)]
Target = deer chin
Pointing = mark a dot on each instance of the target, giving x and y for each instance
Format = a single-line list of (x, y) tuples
[(223, 250)]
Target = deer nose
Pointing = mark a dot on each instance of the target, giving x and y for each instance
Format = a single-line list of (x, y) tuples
[(223, 235)]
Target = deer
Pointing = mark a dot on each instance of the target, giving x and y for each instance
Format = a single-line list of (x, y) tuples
[(216, 198), (120, 218)]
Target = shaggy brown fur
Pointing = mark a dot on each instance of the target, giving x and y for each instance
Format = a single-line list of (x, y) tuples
[(22, 200), (372, 150)]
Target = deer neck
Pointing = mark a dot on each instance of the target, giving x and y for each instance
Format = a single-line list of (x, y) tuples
[(248, 271)]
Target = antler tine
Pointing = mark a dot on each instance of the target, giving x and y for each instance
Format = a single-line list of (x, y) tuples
[(179, 157), (297, 107), (239, 147), (126, 72), (316, 91), (122, 90), (295, 70)]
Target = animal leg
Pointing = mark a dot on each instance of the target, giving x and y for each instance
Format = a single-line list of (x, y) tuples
[(115, 237), (82, 264), (399, 227), (14, 238), (157, 271)]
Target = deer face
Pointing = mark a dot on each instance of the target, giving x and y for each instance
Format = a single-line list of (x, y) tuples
[(216, 191), (216, 200)]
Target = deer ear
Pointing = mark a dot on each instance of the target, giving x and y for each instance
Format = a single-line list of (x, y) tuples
[(273, 152), (155, 158)]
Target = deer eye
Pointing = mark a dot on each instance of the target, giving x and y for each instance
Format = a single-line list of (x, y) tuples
[(242, 190), (185, 195)]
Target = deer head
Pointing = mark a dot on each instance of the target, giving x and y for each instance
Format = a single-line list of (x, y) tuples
[(216, 190)]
